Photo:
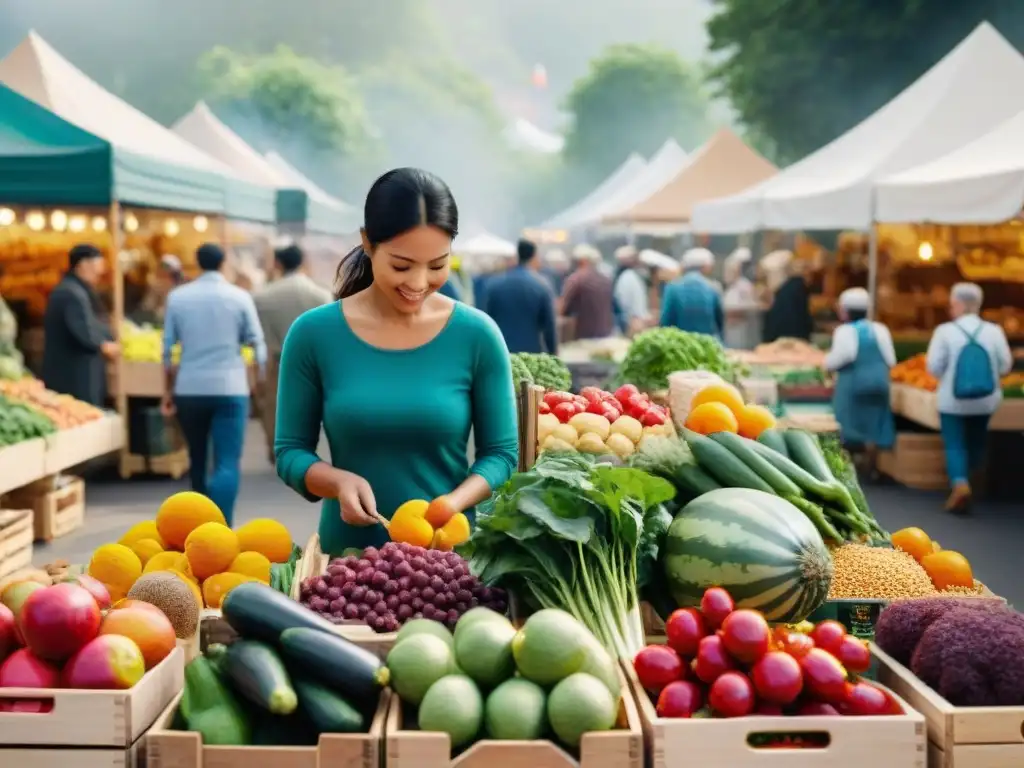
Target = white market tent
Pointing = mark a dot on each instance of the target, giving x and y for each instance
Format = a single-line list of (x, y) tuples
[(981, 183), (485, 244), (662, 168), (979, 83), (581, 212)]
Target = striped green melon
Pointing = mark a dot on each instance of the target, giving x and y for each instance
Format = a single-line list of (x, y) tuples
[(758, 547)]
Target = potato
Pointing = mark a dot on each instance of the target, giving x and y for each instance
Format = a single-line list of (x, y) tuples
[(546, 424), (591, 423), (628, 426), (620, 445), (567, 433), (591, 443), (556, 445)]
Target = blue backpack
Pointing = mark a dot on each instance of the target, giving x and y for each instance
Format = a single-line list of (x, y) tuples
[(973, 378)]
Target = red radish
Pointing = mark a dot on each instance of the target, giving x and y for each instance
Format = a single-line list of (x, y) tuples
[(626, 391), (817, 709), (732, 695), (746, 635), (712, 659), (715, 606), (828, 635), (680, 698), (564, 411), (796, 644), (864, 700), (656, 666), (554, 398), (58, 620), (777, 678), (8, 632), (824, 676), (854, 655), (25, 670), (653, 417), (684, 630)]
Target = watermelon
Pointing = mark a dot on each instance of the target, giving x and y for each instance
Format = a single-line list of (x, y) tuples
[(757, 546)]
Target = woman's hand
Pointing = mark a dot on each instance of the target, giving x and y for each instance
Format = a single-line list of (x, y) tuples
[(354, 494)]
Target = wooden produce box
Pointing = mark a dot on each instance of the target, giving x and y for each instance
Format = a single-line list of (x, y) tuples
[(74, 757), (81, 719), (136, 379), (620, 748), (15, 542), (916, 461), (958, 737), (70, 447), (166, 748), (21, 464), (57, 511), (880, 742), (918, 405)]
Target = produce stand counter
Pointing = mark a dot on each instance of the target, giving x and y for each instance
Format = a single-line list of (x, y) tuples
[(921, 407)]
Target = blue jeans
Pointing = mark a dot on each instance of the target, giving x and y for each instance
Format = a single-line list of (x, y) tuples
[(965, 439), (217, 422)]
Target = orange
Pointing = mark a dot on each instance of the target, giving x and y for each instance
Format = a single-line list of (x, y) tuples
[(753, 420), (914, 542), (948, 569), (410, 529), (723, 393), (453, 533), (708, 418), (181, 514), (151, 630), (439, 512)]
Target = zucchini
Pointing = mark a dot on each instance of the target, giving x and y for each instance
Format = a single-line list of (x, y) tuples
[(797, 474), (718, 462), (336, 662), (327, 711), (775, 440), (257, 673), (740, 448), (210, 709), (803, 448), (257, 612)]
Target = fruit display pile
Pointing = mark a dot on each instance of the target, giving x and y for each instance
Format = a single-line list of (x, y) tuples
[(67, 635), (190, 539), (64, 411), (720, 407), (487, 680), (286, 679), (655, 354), (723, 661), (429, 524), (399, 583), (18, 423), (144, 344), (914, 373), (599, 422)]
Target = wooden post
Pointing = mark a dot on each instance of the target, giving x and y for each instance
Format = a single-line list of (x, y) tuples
[(120, 398)]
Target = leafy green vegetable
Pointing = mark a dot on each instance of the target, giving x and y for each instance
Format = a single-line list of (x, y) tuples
[(656, 353), (19, 422), (576, 535), (520, 372), (546, 370)]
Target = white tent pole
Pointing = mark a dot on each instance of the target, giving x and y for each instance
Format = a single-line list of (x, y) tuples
[(873, 270)]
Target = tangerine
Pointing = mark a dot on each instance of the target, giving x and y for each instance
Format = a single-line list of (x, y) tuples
[(708, 418), (723, 393), (948, 569), (753, 420), (914, 541)]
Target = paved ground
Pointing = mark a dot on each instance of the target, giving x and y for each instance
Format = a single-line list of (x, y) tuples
[(990, 538)]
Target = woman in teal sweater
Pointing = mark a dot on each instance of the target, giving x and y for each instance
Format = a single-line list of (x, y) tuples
[(396, 374)]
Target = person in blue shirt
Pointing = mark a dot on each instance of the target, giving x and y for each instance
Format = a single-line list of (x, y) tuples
[(523, 306), (692, 303), (209, 389)]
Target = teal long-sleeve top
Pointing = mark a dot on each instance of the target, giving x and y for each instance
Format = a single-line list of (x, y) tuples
[(401, 419)]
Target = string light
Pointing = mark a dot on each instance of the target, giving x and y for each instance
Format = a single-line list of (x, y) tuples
[(200, 223), (7, 217), (171, 227), (925, 251), (36, 220), (59, 221), (77, 223), (99, 224), (131, 224)]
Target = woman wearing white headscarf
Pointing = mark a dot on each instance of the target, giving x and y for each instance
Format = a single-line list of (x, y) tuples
[(861, 355), (740, 301), (968, 356)]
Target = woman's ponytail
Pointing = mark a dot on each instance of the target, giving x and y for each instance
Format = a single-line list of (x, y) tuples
[(355, 273)]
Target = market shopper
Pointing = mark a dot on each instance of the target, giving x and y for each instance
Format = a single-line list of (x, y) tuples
[(209, 389), (78, 342), (740, 302), (861, 355), (968, 356), (278, 305), (396, 375), (790, 313), (555, 269), (523, 306), (588, 295), (692, 303), (632, 292)]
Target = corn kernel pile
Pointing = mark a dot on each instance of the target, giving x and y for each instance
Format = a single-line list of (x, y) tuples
[(880, 573)]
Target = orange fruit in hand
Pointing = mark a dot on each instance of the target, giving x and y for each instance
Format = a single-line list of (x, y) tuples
[(410, 529), (948, 569), (723, 393), (455, 532), (914, 542), (753, 420), (440, 511), (709, 418)]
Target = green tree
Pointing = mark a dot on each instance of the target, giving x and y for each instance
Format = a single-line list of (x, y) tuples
[(633, 98), (801, 73)]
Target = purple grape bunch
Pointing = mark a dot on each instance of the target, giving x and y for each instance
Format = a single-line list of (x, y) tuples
[(386, 587)]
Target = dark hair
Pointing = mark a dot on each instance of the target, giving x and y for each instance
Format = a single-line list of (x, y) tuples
[(853, 315), (290, 258), (210, 257), (526, 249), (82, 252), (400, 200)]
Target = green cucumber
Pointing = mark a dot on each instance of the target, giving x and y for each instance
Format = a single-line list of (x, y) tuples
[(210, 709), (740, 448), (257, 612), (336, 662), (257, 673), (719, 462), (775, 440), (797, 474), (692, 478), (327, 711), (803, 448)]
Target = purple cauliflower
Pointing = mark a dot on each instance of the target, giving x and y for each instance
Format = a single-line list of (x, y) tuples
[(901, 625)]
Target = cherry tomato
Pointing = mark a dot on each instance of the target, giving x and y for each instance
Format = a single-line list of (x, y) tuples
[(712, 659), (824, 676), (653, 417), (637, 405), (626, 391), (554, 398), (596, 406), (854, 655), (680, 698), (564, 411), (610, 412), (543, 407), (796, 644), (732, 695), (828, 635), (864, 700), (656, 666), (746, 635), (684, 630), (580, 405), (715, 605), (777, 678)]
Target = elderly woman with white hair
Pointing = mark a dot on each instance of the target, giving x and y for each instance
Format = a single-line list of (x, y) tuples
[(631, 291), (968, 356), (861, 355), (692, 303)]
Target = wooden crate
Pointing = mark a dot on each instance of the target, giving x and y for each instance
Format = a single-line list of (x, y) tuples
[(620, 748), (21, 464), (55, 511), (918, 405), (70, 447), (882, 742), (137, 379), (15, 541), (83, 719), (958, 737), (528, 407), (916, 461), (183, 749)]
